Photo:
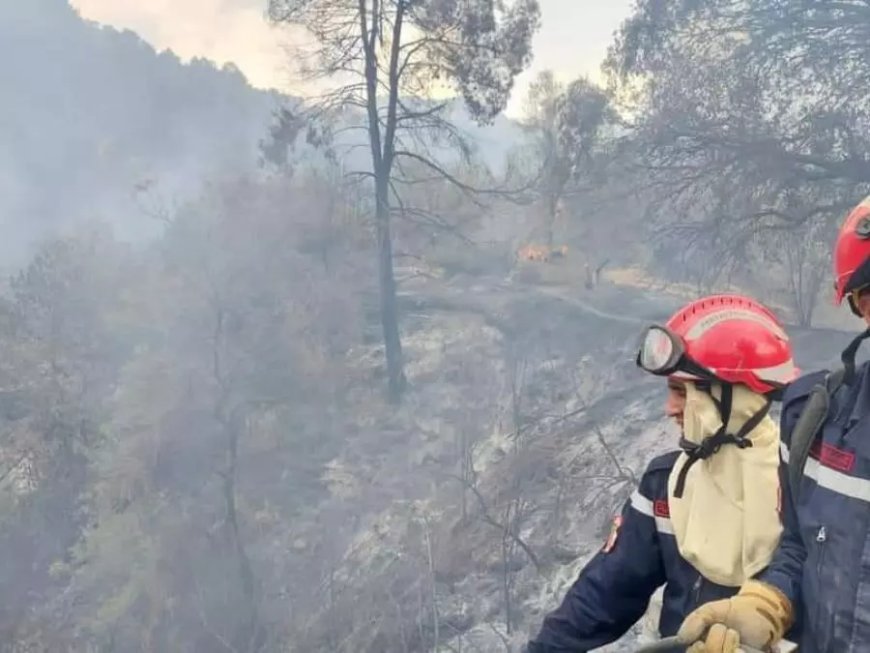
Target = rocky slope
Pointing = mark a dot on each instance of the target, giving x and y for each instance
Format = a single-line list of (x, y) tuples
[(469, 511)]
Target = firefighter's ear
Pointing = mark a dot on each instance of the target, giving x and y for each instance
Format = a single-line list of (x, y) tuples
[(862, 304)]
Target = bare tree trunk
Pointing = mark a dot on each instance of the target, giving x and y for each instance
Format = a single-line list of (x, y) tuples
[(812, 296), (400, 616), (246, 572), (432, 593), (516, 371), (232, 422), (420, 613), (557, 510), (506, 549), (389, 308), (382, 162), (552, 205), (599, 269), (465, 471), (506, 589), (332, 607)]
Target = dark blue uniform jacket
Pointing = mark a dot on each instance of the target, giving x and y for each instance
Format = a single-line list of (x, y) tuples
[(823, 561), (614, 589)]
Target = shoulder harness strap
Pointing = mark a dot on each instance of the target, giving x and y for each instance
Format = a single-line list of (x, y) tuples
[(808, 426)]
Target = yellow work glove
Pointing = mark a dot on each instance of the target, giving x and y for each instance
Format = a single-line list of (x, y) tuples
[(719, 640), (758, 616)]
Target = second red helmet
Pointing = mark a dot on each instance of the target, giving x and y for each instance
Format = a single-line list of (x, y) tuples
[(852, 252)]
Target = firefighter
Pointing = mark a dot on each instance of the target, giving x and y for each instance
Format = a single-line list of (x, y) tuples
[(820, 575), (704, 518)]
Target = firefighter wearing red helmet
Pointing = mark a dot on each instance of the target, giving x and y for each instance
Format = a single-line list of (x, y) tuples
[(820, 571), (725, 359)]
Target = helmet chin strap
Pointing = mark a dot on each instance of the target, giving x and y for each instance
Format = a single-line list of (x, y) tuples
[(848, 356), (712, 443)]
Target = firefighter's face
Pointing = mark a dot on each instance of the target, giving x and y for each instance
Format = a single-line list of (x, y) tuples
[(676, 401)]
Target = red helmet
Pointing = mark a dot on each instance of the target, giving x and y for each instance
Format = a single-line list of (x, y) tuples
[(731, 338), (852, 251)]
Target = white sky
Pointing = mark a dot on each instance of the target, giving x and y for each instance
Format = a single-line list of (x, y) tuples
[(573, 38)]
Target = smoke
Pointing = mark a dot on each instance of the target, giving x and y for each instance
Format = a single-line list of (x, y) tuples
[(236, 30), (221, 30)]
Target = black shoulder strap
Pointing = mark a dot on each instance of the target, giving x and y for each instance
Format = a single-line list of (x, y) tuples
[(808, 425)]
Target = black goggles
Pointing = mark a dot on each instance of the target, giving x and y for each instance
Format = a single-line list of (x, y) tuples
[(663, 352)]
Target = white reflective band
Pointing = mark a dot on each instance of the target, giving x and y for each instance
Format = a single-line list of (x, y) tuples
[(645, 507), (642, 504), (831, 479), (664, 526), (782, 373), (733, 313)]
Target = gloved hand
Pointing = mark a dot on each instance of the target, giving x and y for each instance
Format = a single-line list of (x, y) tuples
[(758, 615), (720, 639)]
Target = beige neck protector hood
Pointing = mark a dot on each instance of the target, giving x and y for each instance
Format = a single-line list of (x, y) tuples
[(726, 519)]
